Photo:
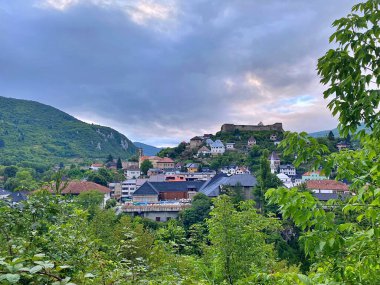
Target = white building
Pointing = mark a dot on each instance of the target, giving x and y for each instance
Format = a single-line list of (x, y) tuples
[(132, 172), (128, 187), (217, 147), (288, 169), (230, 146), (286, 180)]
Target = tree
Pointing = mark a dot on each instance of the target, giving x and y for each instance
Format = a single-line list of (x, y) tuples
[(351, 70), (238, 241), (10, 171), (343, 242), (90, 200), (198, 212), (109, 158), (119, 165), (331, 136), (145, 166)]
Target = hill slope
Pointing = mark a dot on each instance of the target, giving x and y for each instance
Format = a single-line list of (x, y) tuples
[(34, 132), (147, 149)]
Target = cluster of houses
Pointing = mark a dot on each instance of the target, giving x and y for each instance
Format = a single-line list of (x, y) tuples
[(206, 146)]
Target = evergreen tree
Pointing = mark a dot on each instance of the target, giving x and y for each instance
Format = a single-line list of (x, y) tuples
[(331, 136), (119, 165)]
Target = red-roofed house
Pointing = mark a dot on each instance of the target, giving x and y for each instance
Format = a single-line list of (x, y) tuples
[(165, 162), (326, 186), (77, 187)]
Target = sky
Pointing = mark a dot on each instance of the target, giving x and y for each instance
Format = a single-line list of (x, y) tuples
[(163, 71)]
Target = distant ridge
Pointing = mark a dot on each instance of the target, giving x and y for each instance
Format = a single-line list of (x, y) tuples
[(35, 132), (147, 149), (326, 132)]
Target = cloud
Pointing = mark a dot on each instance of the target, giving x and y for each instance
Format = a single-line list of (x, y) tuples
[(163, 71)]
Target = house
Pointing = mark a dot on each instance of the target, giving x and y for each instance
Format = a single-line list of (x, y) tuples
[(179, 165), (155, 212), (196, 142), (251, 142), (242, 170), (96, 166), (217, 147), (115, 188), (153, 192), (230, 146), (203, 151), (209, 142), (192, 167), (77, 187), (314, 175), (328, 189), (165, 162), (215, 186), (342, 145), (152, 159), (132, 172), (273, 137), (13, 197), (128, 187), (154, 171), (274, 161), (288, 169), (198, 176), (286, 180)]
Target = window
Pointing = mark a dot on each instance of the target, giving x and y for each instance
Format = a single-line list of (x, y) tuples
[(158, 219)]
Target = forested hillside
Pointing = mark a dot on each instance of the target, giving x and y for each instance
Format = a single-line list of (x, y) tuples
[(31, 131)]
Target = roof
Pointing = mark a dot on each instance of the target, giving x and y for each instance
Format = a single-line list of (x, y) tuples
[(217, 143), (251, 139), (97, 165), (287, 166), (319, 172), (165, 160), (15, 197), (230, 143), (245, 180), (77, 187), (192, 165), (132, 168), (326, 185), (154, 188), (328, 196), (282, 176), (274, 156), (146, 189), (212, 187), (203, 148)]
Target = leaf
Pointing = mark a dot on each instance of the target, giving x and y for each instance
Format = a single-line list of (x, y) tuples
[(12, 278), (322, 245), (304, 279), (89, 275), (35, 269)]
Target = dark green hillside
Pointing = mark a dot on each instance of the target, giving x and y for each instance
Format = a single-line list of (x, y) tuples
[(34, 132)]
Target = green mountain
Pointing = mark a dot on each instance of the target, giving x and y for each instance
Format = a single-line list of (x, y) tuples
[(147, 149), (335, 132), (34, 132)]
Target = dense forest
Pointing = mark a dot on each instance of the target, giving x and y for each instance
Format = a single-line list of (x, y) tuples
[(291, 238), (34, 132)]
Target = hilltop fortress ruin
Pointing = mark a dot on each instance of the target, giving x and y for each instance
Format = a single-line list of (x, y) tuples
[(259, 127)]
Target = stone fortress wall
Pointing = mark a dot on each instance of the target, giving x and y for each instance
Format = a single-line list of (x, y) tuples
[(259, 127)]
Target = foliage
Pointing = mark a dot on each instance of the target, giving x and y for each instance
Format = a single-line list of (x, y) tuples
[(198, 212), (145, 166), (33, 132)]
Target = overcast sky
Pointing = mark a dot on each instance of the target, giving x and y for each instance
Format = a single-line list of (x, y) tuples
[(163, 71)]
